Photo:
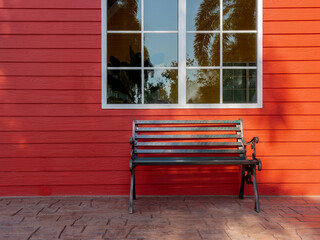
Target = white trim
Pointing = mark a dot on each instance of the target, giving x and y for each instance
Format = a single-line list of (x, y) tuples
[(104, 53), (260, 53), (142, 52), (221, 52), (182, 74), (181, 106), (182, 68)]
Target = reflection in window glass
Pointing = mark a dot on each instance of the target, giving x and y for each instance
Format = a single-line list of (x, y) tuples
[(203, 15), (161, 86), (161, 49), (239, 15), (124, 50), (239, 86), (124, 86), (124, 15), (239, 49), (203, 86), (160, 15), (203, 49)]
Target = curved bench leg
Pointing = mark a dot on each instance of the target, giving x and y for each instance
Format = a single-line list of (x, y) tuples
[(134, 185), (257, 204), (132, 190), (242, 183)]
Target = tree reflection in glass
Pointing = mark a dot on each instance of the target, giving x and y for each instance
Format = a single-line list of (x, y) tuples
[(239, 15), (203, 49), (161, 86), (203, 86), (203, 15), (239, 49), (124, 15), (124, 86)]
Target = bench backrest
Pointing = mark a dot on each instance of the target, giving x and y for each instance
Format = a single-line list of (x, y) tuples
[(189, 138)]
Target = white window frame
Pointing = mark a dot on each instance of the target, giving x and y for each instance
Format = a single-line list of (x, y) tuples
[(182, 62)]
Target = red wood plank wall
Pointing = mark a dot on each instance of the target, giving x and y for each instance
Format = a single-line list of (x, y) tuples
[(56, 140)]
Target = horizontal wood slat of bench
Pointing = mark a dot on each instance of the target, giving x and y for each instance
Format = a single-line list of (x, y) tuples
[(199, 161), (187, 136), (185, 129), (140, 144), (186, 121), (154, 151)]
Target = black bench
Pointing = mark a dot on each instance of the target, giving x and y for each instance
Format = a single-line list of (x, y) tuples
[(193, 142)]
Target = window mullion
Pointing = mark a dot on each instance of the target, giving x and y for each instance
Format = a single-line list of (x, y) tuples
[(221, 51), (142, 51), (182, 18)]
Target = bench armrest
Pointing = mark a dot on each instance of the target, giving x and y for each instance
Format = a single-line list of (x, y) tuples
[(253, 142)]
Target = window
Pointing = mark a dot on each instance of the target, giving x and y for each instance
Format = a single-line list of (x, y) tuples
[(181, 54)]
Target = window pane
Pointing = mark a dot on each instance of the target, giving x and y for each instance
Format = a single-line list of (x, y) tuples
[(239, 86), (203, 15), (124, 15), (239, 49), (203, 49), (161, 86), (124, 50), (203, 86), (124, 86), (239, 15), (161, 49), (160, 15)]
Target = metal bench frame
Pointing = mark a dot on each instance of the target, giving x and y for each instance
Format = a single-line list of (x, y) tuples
[(248, 165)]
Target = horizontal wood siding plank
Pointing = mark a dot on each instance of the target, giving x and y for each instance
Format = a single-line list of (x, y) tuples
[(177, 189), (290, 3), (123, 150), (50, 4), (163, 189), (291, 27), (81, 110), (93, 96), (50, 41), (50, 28), (291, 81), (56, 164), (52, 83), (120, 136), (291, 67), (50, 69), (77, 15), (284, 14), (124, 123), (292, 40), (50, 55), (292, 54), (154, 177)]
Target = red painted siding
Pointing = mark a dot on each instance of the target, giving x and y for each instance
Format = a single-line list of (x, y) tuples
[(56, 140)]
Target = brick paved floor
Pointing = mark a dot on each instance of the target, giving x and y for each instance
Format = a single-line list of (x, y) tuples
[(159, 218)]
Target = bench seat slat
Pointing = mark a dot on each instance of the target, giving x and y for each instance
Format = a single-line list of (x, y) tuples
[(187, 158), (185, 121), (188, 136), (195, 162), (140, 144), (189, 151), (185, 129)]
